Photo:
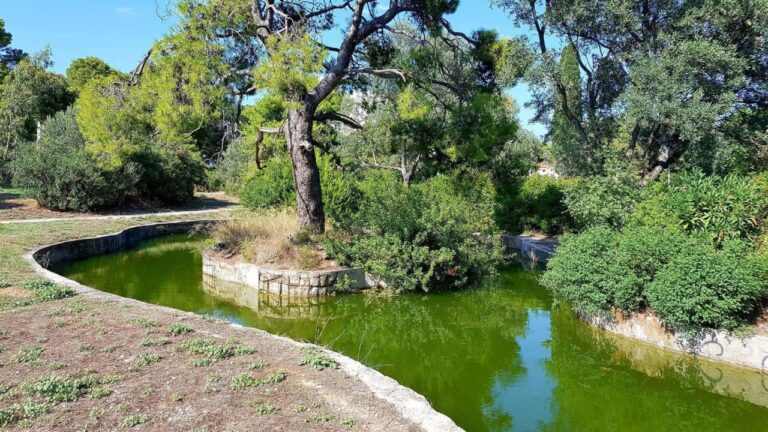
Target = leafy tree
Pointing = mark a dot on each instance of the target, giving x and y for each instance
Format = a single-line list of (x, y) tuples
[(446, 113), (83, 70), (673, 73), (9, 57), (28, 95), (61, 174), (573, 155), (276, 47)]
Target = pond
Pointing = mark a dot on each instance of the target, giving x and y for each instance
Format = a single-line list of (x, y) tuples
[(496, 358)]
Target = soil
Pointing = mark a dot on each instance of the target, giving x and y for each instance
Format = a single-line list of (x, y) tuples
[(14, 206), (98, 338)]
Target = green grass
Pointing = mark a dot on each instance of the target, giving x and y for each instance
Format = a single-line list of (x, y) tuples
[(57, 389), (148, 359), (146, 342)]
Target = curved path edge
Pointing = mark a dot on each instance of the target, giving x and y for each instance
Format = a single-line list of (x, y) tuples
[(410, 404)]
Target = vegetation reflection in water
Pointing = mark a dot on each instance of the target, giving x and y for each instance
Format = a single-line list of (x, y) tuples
[(500, 357)]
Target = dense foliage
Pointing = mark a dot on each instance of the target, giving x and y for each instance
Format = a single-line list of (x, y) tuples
[(60, 173), (686, 251), (433, 235)]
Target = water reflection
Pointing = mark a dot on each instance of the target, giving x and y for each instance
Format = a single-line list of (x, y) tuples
[(496, 358)]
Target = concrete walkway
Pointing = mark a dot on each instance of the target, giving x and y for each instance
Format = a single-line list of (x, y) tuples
[(116, 217)]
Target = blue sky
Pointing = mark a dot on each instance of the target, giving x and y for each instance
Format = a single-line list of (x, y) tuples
[(121, 31)]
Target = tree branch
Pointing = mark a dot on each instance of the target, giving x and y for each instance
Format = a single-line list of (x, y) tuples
[(339, 117)]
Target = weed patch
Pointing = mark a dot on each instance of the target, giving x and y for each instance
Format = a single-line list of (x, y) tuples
[(29, 354), (134, 420), (314, 357)]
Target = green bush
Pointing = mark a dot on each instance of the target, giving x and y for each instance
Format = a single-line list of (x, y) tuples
[(718, 208), (269, 187), (606, 200), (432, 235), (533, 203), (703, 287), (168, 175), (60, 173), (237, 160), (584, 271), (273, 186)]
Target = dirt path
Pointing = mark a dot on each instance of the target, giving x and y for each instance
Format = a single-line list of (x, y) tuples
[(173, 214), (15, 208)]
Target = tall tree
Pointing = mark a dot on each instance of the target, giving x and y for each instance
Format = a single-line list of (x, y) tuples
[(573, 155), (83, 70), (669, 72), (279, 46), (9, 57)]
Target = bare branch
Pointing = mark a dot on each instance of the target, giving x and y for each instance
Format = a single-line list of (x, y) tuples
[(381, 73)]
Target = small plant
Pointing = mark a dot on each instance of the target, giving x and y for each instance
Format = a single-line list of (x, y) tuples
[(202, 362), (29, 354), (32, 409), (277, 377), (243, 381), (321, 418), (147, 391), (58, 389), (100, 392), (46, 290), (176, 397), (266, 409), (85, 348), (76, 307), (56, 365), (111, 378), (212, 349), (315, 358), (301, 408), (144, 322), (178, 329), (148, 359), (209, 389), (109, 348), (258, 364), (134, 420), (348, 422), (146, 342)]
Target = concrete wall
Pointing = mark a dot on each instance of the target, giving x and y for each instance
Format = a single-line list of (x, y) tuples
[(83, 248), (282, 282), (529, 248), (750, 351)]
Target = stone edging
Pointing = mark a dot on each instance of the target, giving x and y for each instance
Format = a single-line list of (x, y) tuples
[(716, 345), (529, 248), (283, 282), (719, 346), (407, 402)]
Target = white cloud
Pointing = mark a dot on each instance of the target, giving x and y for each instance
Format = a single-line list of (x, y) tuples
[(126, 11)]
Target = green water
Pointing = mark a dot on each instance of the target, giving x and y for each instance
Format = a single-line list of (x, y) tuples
[(496, 358)]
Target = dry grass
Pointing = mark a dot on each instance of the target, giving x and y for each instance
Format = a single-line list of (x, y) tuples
[(270, 238)]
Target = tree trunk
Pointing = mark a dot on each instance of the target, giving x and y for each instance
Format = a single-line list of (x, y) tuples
[(306, 175)]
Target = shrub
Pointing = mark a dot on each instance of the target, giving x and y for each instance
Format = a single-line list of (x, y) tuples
[(269, 187), (168, 175), (60, 173), (718, 208), (606, 200), (435, 234), (703, 287), (533, 203), (236, 160), (584, 271), (273, 186)]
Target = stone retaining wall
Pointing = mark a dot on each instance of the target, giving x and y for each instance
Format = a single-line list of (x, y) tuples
[(750, 351), (83, 248), (530, 248), (283, 282)]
